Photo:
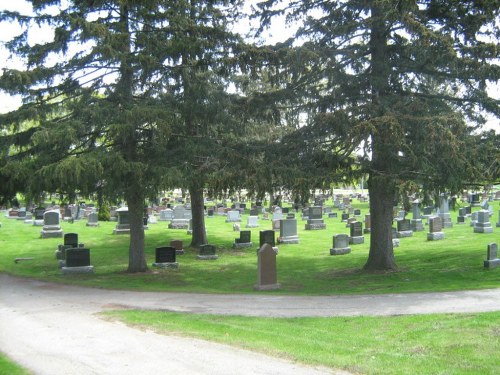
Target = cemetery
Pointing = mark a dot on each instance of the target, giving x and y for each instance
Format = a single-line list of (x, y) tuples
[(421, 257)]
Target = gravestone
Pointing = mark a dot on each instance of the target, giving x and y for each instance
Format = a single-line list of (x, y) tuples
[(435, 229), (233, 217), (498, 222), (368, 224), (70, 241), (403, 228), (210, 213), (166, 214), (492, 260), (51, 227), (165, 257), (245, 239), (349, 221), (340, 245), (29, 218), (254, 211), (444, 211), (288, 232), (68, 214), (332, 215), (427, 212), (39, 211), (267, 236), (267, 278), (483, 224), (252, 222), (92, 220), (344, 217), (178, 245), (207, 252), (122, 221), (357, 212), (468, 210), (315, 219), (77, 260), (416, 224), (462, 214), (180, 218), (356, 230)]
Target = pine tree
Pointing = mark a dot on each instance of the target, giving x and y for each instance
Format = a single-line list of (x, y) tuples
[(407, 77)]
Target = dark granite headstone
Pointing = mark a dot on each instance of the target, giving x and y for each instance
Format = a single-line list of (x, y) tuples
[(245, 237), (165, 254), (356, 229), (345, 216), (267, 236), (77, 257), (71, 239), (403, 225), (207, 250)]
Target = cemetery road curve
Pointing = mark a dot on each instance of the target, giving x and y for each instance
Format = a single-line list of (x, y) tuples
[(54, 329)]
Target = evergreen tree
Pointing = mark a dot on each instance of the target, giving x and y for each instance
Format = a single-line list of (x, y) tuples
[(407, 77)]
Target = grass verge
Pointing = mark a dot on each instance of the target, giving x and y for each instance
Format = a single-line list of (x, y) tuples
[(423, 344)]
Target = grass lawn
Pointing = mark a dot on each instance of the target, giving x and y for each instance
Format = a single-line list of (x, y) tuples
[(425, 344), (307, 268), (7, 367)]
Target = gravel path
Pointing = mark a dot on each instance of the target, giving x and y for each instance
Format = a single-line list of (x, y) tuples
[(53, 329)]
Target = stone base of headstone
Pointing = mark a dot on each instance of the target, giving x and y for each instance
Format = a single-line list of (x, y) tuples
[(267, 287), (207, 257), (84, 269), (404, 233), (28, 221), (171, 265), (395, 242), (252, 226), (435, 236), (446, 220), (233, 220), (332, 215), (179, 224), (38, 223), (340, 251), (121, 231), (492, 263), (461, 220), (416, 225), (92, 224), (483, 228), (288, 239), (51, 233), (179, 251), (315, 225), (358, 240), (238, 245)]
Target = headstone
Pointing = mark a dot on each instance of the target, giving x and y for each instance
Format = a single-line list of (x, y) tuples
[(165, 257), (444, 211), (210, 213), (357, 212), (166, 214), (416, 224), (39, 211), (473, 218), (233, 216), (92, 220), (403, 228), (288, 232), (123, 222), (266, 268), (179, 218), (277, 214), (356, 229), (435, 229), (483, 224), (245, 239), (462, 214), (252, 222), (207, 252), (498, 222), (267, 236), (315, 219), (344, 217), (340, 245), (332, 215), (254, 211), (368, 224), (51, 227), (178, 245), (492, 260), (77, 261)]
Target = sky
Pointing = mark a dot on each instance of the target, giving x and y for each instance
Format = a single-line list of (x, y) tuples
[(279, 32)]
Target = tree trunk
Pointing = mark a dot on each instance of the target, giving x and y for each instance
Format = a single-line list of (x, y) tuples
[(136, 256), (199, 236), (381, 256)]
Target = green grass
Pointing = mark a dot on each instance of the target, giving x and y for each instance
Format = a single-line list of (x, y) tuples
[(455, 263), (8, 367), (428, 344)]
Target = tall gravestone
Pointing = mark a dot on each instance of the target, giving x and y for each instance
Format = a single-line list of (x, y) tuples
[(267, 277), (444, 211), (368, 224), (416, 224), (288, 232), (435, 229), (356, 231), (492, 260), (122, 221), (51, 225)]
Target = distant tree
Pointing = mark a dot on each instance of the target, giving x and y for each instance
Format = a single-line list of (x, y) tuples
[(407, 78)]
